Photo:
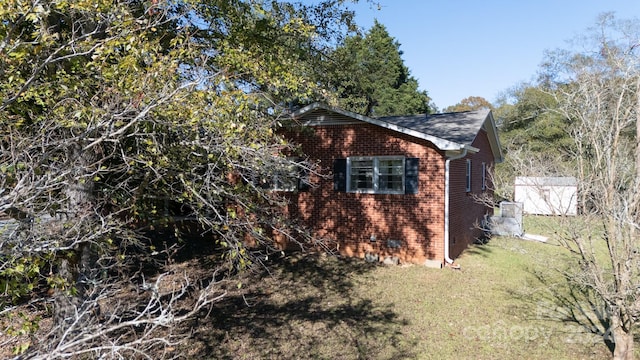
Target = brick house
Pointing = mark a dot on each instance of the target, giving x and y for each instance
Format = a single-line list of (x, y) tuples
[(397, 187)]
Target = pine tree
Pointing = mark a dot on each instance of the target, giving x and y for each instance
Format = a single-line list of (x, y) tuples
[(370, 77)]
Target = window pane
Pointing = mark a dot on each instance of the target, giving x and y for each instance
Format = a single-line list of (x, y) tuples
[(390, 175), (468, 176), (286, 179), (361, 174)]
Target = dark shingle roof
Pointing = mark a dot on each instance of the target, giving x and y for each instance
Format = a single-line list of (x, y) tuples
[(448, 131), (460, 127)]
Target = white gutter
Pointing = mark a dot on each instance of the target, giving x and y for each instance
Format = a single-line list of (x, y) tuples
[(447, 258)]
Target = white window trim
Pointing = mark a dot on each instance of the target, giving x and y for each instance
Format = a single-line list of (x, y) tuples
[(376, 173), (468, 176), (275, 185)]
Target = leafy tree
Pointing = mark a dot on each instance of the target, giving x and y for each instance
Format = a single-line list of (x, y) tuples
[(118, 119), (535, 138), (370, 77), (469, 104), (597, 89), (530, 120)]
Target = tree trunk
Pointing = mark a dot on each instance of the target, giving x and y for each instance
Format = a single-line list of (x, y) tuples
[(623, 340), (638, 130), (80, 269)]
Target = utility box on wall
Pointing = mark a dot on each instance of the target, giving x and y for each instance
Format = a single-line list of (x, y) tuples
[(547, 195)]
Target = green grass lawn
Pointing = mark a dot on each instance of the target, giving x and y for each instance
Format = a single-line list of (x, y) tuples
[(314, 307)]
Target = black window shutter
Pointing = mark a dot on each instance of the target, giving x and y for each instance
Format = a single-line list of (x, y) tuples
[(340, 175), (261, 182), (303, 179), (411, 175)]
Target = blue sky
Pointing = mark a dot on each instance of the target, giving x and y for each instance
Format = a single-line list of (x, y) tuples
[(461, 48)]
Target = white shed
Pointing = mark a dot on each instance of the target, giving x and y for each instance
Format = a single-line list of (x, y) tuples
[(547, 195)]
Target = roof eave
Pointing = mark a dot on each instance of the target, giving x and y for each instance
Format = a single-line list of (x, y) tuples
[(440, 143), (317, 105), (460, 150), (494, 140)]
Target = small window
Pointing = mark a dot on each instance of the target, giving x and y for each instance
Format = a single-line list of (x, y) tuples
[(484, 176), (288, 178), (383, 174), (285, 180), (546, 195), (468, 176)]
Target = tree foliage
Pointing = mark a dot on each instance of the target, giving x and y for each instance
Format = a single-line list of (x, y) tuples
[(370, 78), (469, 104), (591, 94), (531, 121), (536, 139), (129, 124)]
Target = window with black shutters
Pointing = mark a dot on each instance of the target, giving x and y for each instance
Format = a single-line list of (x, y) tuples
[(376, 175)]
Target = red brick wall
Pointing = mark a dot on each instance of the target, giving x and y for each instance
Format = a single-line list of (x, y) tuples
[(348, 220), (465, 211)]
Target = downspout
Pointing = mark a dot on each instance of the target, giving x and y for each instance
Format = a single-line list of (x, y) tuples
[(447, 258)]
